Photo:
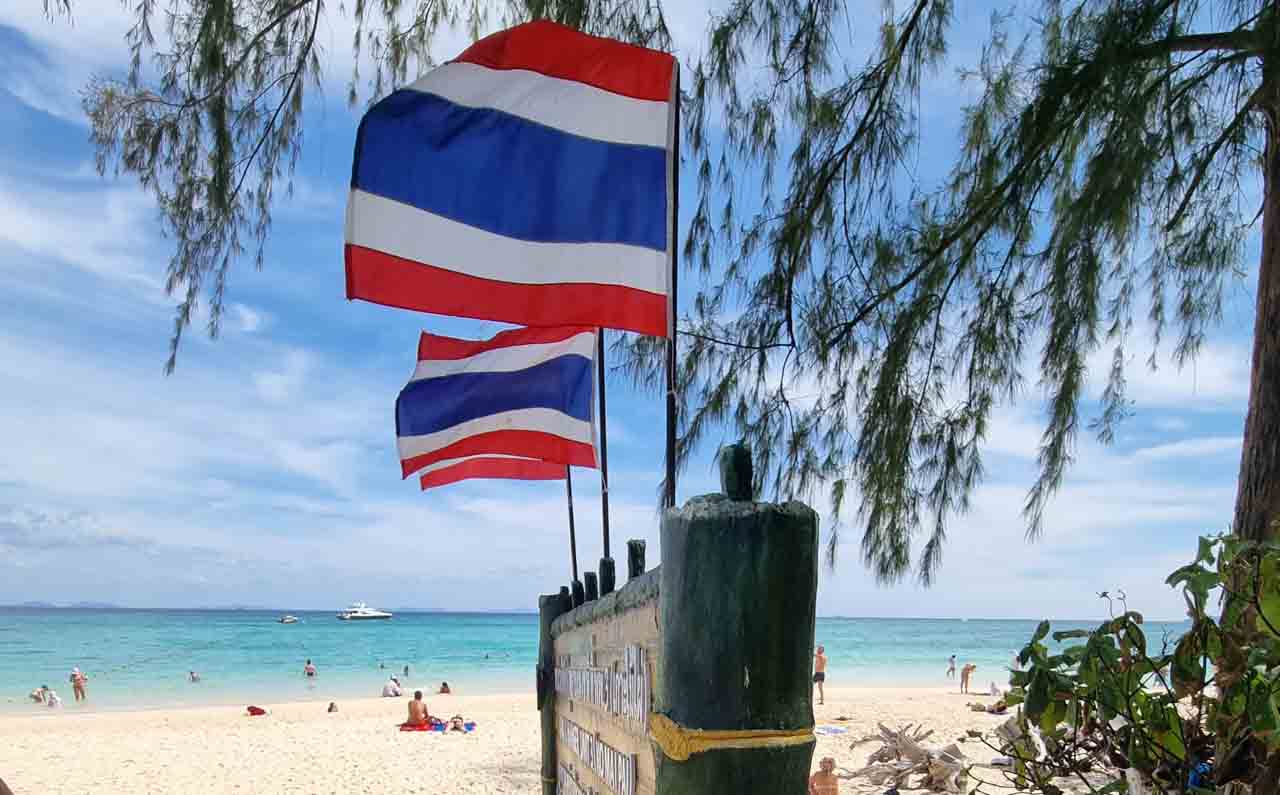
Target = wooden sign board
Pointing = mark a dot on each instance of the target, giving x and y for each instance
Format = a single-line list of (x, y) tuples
[(606, 658)]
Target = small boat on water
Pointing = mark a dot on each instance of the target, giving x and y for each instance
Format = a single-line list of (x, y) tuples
[(288, 619), (359, 611)]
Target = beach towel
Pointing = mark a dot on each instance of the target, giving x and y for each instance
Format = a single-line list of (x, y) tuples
[(256, 711), (417, 727), (831, 730)]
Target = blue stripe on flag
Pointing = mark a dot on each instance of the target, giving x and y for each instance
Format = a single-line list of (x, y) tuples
[(434, 404), (509, 176)]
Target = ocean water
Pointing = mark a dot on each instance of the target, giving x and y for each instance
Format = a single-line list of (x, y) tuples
[(139, 659)]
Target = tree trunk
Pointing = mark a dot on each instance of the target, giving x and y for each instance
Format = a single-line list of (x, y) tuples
[(1258, 488)]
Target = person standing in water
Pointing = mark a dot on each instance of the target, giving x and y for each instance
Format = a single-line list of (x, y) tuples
[(820, 672), (309, 670), (77, 684), (951, 667)]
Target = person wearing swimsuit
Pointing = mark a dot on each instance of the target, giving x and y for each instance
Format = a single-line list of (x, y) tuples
[(820, 672)]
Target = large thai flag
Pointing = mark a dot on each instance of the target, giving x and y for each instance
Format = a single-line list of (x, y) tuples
[(519, 405), (528, 181)]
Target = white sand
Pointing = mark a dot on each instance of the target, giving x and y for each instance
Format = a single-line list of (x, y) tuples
[(299, 748)]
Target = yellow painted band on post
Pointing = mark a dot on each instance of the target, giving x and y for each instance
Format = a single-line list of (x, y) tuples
[(679, 743)]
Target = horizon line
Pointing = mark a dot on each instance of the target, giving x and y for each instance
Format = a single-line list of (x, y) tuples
[(91, 605)]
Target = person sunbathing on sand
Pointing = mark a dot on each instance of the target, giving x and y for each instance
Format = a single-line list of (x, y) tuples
[(417, 710), (444, 689)]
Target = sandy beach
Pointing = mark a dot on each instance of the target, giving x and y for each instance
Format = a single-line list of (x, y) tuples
[(299, 748)]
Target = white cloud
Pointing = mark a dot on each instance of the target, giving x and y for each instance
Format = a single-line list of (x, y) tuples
[(247, 319), (101, 232), (284, 383), (1192, 448)]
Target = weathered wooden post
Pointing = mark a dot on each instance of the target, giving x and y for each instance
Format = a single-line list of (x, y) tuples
[(549, 607), (579, 593), (733, 712), (608, 576), (592, 587), (635, 558)]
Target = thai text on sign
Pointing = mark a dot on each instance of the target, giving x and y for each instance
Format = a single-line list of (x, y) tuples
[(616, 769), (625, 692)]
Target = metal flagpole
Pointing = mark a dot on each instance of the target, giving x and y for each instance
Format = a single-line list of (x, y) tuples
[(671, 321), (604, 444), (573, 537)]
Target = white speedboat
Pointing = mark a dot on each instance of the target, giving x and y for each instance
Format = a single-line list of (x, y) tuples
[(359, 611), (288, 619)]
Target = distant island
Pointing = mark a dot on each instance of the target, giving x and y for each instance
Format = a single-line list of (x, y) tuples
[(67, 605)]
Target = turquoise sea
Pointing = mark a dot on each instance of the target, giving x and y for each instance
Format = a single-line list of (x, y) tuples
[(140, 658)]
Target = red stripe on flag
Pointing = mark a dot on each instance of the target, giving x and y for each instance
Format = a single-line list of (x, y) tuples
[(558, 51), (531, 444), (394, 281), (433, 347), (500, 468)]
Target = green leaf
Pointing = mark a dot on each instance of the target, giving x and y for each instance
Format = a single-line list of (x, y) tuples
[(1269, 595), (1188, 665), (1038, 695), (1171, 742), (1263, 717), (1054, 713), (1205, 552), (1068, 634), (1041, 632)]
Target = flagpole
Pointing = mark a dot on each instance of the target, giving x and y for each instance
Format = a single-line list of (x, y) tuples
[(573, 537), (604, 444), (675, 270)]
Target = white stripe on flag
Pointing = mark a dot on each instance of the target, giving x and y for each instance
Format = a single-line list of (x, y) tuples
[(507, 360), (407, 232), (540, 419), (566, 105), (448, 462)]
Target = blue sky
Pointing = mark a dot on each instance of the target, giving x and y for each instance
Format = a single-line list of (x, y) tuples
[(264, 471)]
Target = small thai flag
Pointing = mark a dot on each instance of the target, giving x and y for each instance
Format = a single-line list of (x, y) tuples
[(519, 405), (528, 181)]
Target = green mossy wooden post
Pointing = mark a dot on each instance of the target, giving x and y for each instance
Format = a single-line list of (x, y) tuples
[(635, 558), (738, 600), (591, 586), (608, 576), (579, 593), (549, 608)]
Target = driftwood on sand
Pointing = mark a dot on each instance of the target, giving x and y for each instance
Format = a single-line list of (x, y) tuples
[(903, 755)]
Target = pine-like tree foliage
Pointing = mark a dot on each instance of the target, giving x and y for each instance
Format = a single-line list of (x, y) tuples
[(210, 119), (856, 327), (859, 329)]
